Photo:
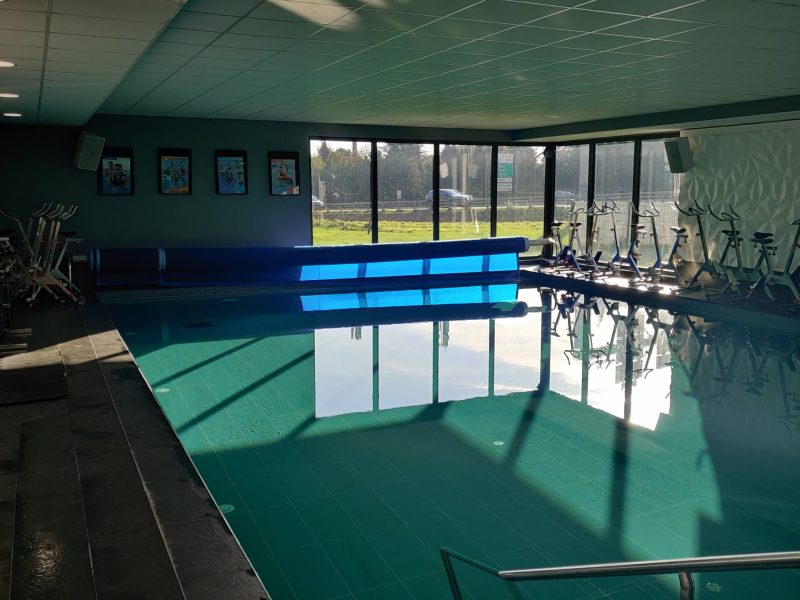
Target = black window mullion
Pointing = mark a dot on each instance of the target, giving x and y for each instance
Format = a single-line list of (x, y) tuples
[(549, 194), (637, 180), (493, 195), (435, 183), (373, 189), (590, 195)]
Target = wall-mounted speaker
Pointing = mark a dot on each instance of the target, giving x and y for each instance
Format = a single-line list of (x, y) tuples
[(679, 154), (89, 151)]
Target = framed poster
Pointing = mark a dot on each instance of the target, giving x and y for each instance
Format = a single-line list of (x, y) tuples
[(231, 170), (115, 172), (174, 171), (283, 174)]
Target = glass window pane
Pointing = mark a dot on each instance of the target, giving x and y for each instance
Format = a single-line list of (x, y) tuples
[(340, 188), (464, 191), (520, 192), (405, 174), (660, 187), (572, 185), (613, 182)]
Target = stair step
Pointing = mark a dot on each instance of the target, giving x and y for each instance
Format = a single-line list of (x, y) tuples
[(9, 457), (32, 376), (50, 551)]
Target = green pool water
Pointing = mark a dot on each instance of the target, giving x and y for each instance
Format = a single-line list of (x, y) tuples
[(344, 454)]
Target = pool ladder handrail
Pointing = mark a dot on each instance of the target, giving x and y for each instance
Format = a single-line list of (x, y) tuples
[(683, 567)]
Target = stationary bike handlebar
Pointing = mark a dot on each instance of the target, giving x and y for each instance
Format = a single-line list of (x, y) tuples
[(724, 215), (605, 209), (574, 209), (692, 211), (647, 212), (44, 209)]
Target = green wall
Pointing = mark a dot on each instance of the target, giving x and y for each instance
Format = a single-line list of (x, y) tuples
[(36, 166)]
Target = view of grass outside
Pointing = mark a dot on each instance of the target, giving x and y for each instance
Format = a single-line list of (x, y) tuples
[(341, 192), (340, 188), (465, 191), (520, 193), (340, 173), (405, 173), (572, 187)]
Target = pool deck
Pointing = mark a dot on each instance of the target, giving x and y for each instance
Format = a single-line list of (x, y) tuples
[(781, 314), (97, 497)]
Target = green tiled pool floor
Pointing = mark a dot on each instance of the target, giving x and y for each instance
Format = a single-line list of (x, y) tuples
[(357, 505)]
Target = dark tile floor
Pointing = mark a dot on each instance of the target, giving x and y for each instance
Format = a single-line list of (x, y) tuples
[(97, 497)]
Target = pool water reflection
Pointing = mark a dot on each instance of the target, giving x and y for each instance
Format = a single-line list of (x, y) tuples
[(561, 430)]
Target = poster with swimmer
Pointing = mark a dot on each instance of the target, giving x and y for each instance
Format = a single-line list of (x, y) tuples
[(283, 175), (115, 172), (174, 171), (231, 168)]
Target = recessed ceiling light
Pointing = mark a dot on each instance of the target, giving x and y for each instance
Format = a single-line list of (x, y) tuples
[(6, 63), (12, 115), (8, 94)]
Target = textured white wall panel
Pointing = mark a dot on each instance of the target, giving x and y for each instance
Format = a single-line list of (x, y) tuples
[(758, 173)]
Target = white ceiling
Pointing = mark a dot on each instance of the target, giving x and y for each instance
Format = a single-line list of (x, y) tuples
[(71, 54), (498, 64)]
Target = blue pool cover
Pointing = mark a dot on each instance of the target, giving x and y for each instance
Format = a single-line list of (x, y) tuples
[(456, 261)]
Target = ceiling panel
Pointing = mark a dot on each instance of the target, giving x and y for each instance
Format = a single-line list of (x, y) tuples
[(23, 20), (70, 55), (409, 62), (776, 15), (112, 28), (267, 28), (97, 44), (202, 21), (320, 13), (13, 37), (236, 8)]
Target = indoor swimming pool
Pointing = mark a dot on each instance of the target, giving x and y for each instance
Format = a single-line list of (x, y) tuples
[(347, 437)]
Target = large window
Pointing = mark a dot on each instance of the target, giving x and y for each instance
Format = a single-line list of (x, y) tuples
[(405, 177), (572, 187), (344, 183), (340, 188), (465, 188), (520, 192), (659, 188), (613, 184)]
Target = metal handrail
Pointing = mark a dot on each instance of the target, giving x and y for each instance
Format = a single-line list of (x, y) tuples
[(683, 567)]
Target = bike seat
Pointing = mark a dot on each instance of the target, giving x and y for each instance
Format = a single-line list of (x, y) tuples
[(760, 240), (760, 235), (640, 227), (556, 224), (575, 224), (678, 229), (730, 232)]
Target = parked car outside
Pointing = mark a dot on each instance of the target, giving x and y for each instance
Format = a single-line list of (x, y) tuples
[(564, 194), (316, 203), (449, 197)]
